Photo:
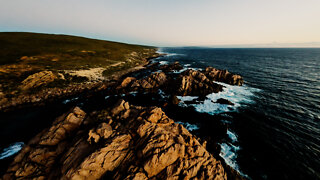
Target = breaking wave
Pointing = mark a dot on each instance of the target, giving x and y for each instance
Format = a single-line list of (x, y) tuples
[(238, 95), (188, 126), (11, 150)]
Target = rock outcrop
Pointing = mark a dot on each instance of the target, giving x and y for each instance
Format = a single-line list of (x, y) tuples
[(38, 79), (223, 76), (123, 142), (187, 83), (224, 101), (152, 82), (37, 159), (195, 83), (171, 67)]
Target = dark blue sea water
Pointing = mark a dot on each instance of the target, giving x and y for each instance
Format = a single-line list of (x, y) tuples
[(275, 126)]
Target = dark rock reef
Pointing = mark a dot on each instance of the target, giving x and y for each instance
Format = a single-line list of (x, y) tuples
[(176, 66), (123, 142)]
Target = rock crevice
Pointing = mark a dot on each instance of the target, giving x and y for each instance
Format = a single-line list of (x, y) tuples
[(141, 144)]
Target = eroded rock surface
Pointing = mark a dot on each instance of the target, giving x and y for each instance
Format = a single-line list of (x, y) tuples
[(123, 142), (38, 158), (195, 83), (38, 79), (187, 83), (223, 76), (152, 82)]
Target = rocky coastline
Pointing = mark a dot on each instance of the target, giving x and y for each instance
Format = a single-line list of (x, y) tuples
[(52, 94), (123, 140)]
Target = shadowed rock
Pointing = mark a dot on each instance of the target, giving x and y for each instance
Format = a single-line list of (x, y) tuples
[(123, 142), (37, 159), (224, 101), (171, 67)]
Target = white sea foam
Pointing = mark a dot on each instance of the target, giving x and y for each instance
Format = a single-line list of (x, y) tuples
[(183, 99), (186, 68), (228, 153), (180, 71), (134, 93), (188, 126), (162, 94), (174, 54), (232, 136), (70, 100), (11, 150), (168, 53), (239, 95), (163, 62)]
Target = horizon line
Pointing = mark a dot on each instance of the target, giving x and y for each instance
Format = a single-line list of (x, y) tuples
[(255, 45)]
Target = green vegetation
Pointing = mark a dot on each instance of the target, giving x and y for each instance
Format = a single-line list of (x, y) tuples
[(14, 45), (23, 54)]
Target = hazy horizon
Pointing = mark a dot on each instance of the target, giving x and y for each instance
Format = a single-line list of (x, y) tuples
[(249, 23)]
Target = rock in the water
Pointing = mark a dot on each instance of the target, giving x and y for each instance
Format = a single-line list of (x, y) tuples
[(195, 83), (223, 76), (224, 101), (143, 144), (171, 67), (38, 79), (174, 100)]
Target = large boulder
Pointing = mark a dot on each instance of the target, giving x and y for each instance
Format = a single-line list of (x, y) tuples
[(123, 142), (223, 76), (38, 79), (126, 82), (224, 101), (176, 66), (152, 82), (195, 83)]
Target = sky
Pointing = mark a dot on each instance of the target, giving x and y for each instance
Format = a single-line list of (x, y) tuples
[(273, 23)]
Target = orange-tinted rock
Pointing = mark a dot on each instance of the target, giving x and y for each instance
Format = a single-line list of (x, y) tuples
[(195, 83), (37, 158), (223, 76), (38, 79), (143, 144), (126, 82)]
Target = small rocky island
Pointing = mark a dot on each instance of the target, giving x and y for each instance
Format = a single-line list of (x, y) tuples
[(123, 139)]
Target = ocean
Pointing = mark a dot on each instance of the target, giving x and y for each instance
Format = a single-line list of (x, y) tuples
[(273, 127)]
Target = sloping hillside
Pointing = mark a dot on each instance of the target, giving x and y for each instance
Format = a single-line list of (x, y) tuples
[(29, 61)]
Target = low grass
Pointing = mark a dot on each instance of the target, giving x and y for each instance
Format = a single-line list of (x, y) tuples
[(22, 54)]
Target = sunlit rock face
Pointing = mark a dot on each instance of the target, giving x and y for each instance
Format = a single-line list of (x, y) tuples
[(223, 76), (120, 142)]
